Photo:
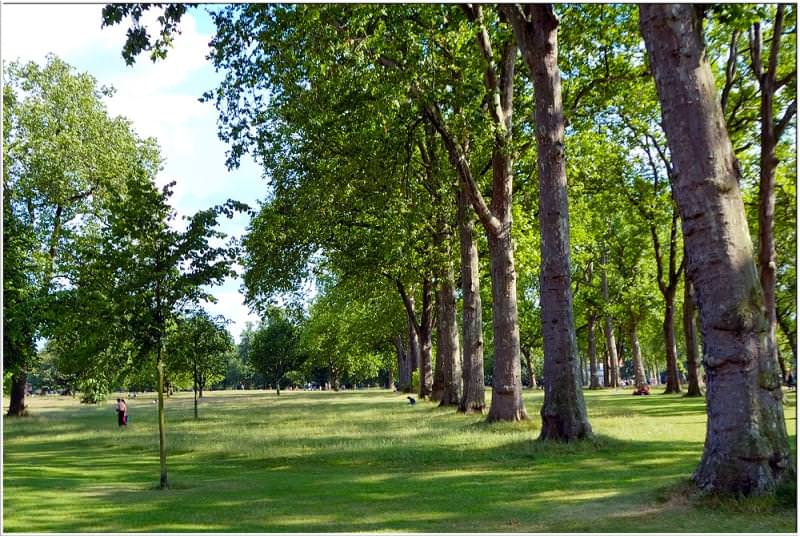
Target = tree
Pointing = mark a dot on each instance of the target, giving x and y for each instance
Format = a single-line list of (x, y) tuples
[(564, 410), (151, 270), (198, 344), (275, 350), (770, 82), (63, 157), (747, 449)]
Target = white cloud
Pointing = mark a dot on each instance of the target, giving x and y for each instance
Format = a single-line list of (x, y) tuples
[(30, 31), (230, 304)]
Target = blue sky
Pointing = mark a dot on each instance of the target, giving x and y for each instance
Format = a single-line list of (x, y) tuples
[(159, 99)]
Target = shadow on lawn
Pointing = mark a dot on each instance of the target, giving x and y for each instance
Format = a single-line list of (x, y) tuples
[(336, 480), (363, 488)]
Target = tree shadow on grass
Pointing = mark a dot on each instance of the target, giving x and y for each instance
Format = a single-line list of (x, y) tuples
[(412, 470)]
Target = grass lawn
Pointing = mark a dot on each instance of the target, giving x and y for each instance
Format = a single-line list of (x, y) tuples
[(365, 461)]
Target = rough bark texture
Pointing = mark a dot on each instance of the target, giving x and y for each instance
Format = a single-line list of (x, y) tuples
[(473, 398), (747, 448), (425, 341), (437, 388), (608, 330), (16, 406), (447, 348), (403, 366), (673, 379), (563, 410), (636, 350), (413, 348), (507, 402), (594, 381), (526, 354), (690, 336)]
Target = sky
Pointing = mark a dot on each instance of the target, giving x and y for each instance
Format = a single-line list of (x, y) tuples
[(161, 100)]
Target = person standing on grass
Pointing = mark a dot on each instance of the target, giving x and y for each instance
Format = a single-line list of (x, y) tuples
[(122, 413)]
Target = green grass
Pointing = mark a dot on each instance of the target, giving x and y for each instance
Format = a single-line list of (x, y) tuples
[(365, 461)]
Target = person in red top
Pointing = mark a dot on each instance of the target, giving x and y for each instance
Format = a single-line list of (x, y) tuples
[(122, 412)]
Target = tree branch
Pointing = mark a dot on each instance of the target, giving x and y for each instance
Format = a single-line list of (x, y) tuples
[(730, 70), (459, 161), (785, 120), (772, 64)]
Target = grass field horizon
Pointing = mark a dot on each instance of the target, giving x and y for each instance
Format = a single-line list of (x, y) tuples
[(364, 461)]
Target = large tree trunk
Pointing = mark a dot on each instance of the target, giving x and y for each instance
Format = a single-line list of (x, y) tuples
[(447, 342), (638, 367), (403, 367), (162, 438), (16, 406), (425, 341), (563, 410), (673, 378), (507, 402), (690, 335), (747, 448), (526, 354), (594, 381), (438, 372), (413, 342), (608, 329), (413, 347), (473, 398)]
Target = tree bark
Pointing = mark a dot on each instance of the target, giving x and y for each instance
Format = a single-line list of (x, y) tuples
[(438, 372), (425, 341), (673, 378), (473, 398), (608, 330), (447, 348), (531, 376), (563, 410), (16, 406), (594, 381), (413, 346), (747, 447), (606, 368), (771, 131), (690, 335), (636, 349), (507, 402), (403, 367)]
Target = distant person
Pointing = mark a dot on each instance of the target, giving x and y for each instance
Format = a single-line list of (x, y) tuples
[(790, 383), (122, 413)]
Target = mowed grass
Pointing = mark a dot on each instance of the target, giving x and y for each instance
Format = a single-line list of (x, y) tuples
[(366, 461)]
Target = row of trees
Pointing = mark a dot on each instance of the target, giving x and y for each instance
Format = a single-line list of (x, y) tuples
[(384, 129), (395, 136)]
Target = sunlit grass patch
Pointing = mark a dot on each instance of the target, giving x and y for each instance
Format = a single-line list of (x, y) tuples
[(366, 461)]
